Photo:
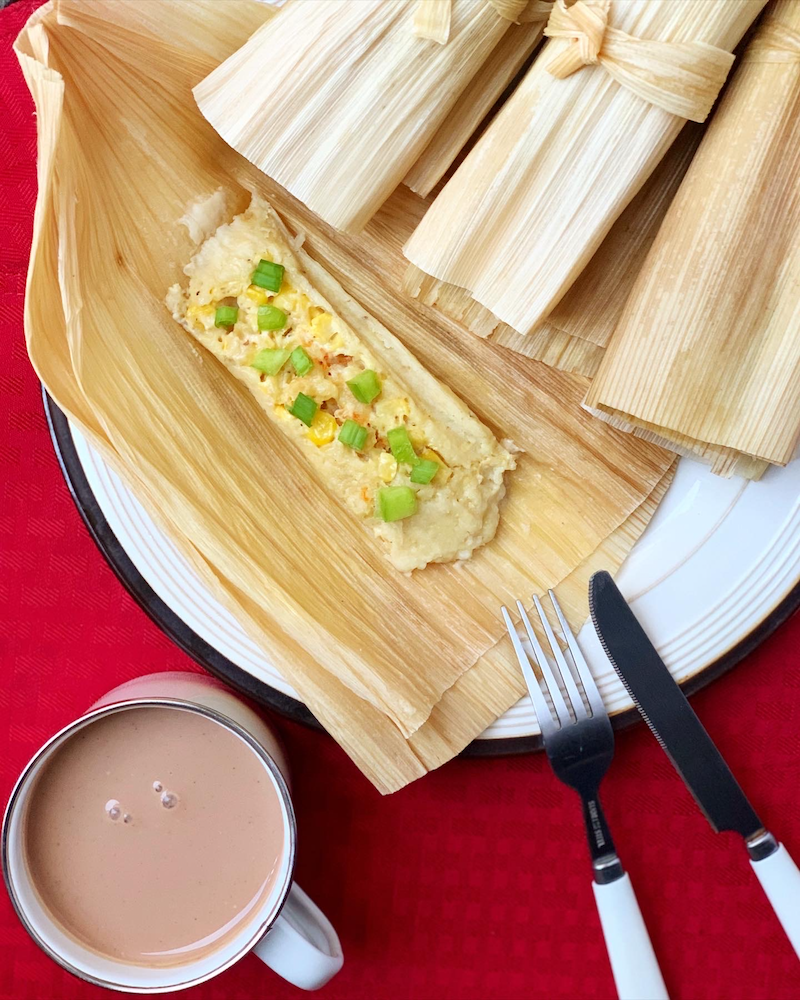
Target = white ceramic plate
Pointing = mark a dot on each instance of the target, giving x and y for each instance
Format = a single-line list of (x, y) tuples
[(716, 570)]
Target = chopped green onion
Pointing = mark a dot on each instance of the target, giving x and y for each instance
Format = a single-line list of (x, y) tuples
[(262, 280), (304, 408), (396, 502), (301, 362), (424, 472), (268, 275), (353, 435), (270, 360), (271, 318), (402, 448), (365, 386), (226, 315)]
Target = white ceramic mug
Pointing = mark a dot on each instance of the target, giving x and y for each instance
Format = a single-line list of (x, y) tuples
[(288, 931)]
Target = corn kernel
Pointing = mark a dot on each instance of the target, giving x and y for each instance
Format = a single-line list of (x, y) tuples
[(202, 314), (387, 467), (323, 428), (256, 295), (289, 299), (321, 327), (433, 456)]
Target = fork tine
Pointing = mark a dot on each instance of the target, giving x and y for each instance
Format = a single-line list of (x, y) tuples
[(569, 681), (585, 674), (549, 678), (544, 716)]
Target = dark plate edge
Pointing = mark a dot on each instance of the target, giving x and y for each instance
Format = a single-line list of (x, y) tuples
[(220, 666)]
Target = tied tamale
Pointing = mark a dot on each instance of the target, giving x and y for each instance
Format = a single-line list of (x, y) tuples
[(534, 199), (477, 101), (358, 95), (706, 357), (397, 448)]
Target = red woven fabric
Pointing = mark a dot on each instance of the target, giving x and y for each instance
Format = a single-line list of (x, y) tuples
[(473, 883)]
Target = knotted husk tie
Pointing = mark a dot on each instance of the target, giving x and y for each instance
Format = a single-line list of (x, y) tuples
[(775, 43), (683, 78), (432, 17)]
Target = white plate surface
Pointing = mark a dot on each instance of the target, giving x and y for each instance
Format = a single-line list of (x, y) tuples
[(718, 557)]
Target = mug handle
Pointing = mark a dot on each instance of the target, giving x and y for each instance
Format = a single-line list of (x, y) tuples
[(301, 946)]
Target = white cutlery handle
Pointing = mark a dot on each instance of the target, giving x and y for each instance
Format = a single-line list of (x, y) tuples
[(633, 961), (780, 880)]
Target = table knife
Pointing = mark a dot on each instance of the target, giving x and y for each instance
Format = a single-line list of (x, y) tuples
[(693, 754)]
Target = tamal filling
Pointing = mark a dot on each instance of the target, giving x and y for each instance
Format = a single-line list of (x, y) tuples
[(377, 449)]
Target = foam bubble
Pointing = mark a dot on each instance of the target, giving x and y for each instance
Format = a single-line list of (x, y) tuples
[(157, 786), (169, 800), (113, 810)]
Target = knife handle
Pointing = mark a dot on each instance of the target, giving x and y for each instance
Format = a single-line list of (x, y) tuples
[(633, 961), (780, 880)]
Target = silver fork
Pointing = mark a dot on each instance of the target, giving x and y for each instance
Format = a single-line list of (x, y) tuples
[(579, 743)]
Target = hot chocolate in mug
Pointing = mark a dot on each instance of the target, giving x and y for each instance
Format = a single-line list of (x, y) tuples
[(126, 788)]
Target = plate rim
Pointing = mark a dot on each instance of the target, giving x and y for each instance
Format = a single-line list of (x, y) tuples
[(211, 660)]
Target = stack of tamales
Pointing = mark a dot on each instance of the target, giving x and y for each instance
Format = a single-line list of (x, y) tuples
[(706, 357), (366, 89), (532, 202)]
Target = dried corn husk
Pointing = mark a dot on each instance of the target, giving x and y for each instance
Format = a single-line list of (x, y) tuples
[(383, 659), (579, 329), (591, 308), (480, 695), (475, 103), (432, 20), (357, 99), (553, 347), (534, 199), (706, 356), (546, 343)]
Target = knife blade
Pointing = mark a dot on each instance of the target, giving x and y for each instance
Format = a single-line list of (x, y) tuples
[(667, 712), (687, 744)]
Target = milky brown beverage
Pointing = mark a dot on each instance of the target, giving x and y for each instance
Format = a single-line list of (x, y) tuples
[(153, 835)]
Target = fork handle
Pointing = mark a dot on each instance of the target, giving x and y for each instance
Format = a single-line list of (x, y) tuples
[(633, 961)]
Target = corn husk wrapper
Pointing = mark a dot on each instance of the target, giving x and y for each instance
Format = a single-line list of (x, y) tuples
[(546, 343), (475, 103), (358, 97), (402, 670), (432, 20), (706, 356), (534, 199), (579, 329)]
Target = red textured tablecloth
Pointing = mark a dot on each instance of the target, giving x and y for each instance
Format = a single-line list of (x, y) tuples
[(471, 884)]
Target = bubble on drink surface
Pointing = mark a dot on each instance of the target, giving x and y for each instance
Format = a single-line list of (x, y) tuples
[(169, 800), (157, 786), (113, 810), (127, 818)]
